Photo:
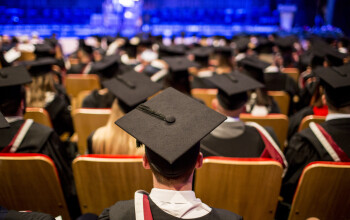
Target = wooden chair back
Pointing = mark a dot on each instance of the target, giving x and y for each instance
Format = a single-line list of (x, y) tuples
[(292, 72), (323, 192), (39, 115), (206, 95), (26, 56), (310, 118), (78, 100), (30, 182), (249, 187), (102, 180), (87, 120), (282, 98), (76, 83), (279, 123)]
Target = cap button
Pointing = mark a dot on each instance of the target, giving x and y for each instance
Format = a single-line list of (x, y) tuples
[(170, 119), (3, 75)]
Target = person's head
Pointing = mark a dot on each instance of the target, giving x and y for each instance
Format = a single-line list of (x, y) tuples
[(336, 84), (13, 103), (189, 161), (170, 126), (232, 92), (12, 98)]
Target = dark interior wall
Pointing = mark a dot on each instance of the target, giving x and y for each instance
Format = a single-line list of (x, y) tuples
[(341, 15)]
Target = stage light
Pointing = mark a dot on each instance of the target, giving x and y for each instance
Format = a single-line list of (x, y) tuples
[(128, 14), (127, 3)]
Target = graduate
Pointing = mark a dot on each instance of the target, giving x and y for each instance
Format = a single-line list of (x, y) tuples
[(234, 138), (129, 90), (26, 136), (328, 141), (164, 125)]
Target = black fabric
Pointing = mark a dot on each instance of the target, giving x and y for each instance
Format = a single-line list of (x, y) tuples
[(294, 120), (95, 100), (305, 148), (41, 139), (60, 116), (126, 210), (248, 144), (14, 215), (201, 82)]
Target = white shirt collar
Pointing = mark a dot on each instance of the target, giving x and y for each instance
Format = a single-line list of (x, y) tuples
[(231, 119), (11, 119), (333, 116), (164, 195)]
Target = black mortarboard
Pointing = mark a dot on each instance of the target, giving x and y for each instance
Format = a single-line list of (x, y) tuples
[(224, 50), (40, 66), (107, 67), (254, 67), (285, 43), (201, 54), (44, 50), (131, 88), (173, 50), (179, 63), (3, 122), (170, 125), (13, 76), (242, 44), (336, 81), (233, 87)]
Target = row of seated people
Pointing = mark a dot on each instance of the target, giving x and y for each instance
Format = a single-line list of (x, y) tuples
[(177, 65), (236, 184), (229, 102)]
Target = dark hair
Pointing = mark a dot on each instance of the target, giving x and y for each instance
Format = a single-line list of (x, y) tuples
[(11, 102), (179, 170)]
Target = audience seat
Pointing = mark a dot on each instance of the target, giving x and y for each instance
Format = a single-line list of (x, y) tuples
[(30, 181), (282, 98), (292, 72), (85, 121), (249, 187), (279, 123), (76, 83), (39, 115), (310, 118), (206, 95), (103, 180), (323, 192), (26, 56)]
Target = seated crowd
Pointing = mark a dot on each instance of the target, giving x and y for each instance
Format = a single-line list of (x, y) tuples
[(147, 84)]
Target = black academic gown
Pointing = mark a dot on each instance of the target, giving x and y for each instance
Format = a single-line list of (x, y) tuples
[(305, 148), (281, 82), (15, 215), (95, 100), (234, 139), (294, 120), (43, 140), (60, 115), (125, 210)]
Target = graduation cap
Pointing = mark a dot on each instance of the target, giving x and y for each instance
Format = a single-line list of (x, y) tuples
[(131, 88), (285, 43), (336, 81), (254, 67), (233, 88), (179, 63), (40, 66), (172, 50), (201, 54), (3, 122), (13, 76), (242, 44), (107, 67), (224, 50), (171, 125), (44, 50)]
